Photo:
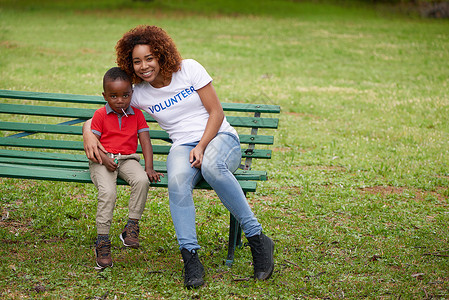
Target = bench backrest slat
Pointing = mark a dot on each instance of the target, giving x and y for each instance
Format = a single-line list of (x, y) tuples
[(87, 113), (87, 99), (83, 176)]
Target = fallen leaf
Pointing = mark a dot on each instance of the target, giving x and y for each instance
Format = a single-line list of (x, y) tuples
[(418, 275), (39, 288), (5, 216), (375, 258)]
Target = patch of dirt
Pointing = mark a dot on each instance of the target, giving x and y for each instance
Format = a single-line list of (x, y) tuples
[(56, 240), (15, 227), (9, 45), (284, 149), (322, 168), (384, 191), (20, 184)]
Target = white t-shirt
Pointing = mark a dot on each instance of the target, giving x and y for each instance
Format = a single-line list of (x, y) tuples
[(177, 107)]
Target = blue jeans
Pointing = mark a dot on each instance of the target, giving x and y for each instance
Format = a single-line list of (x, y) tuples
[(221, 158)]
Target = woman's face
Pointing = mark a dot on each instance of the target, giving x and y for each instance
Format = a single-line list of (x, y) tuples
[(146, 66)]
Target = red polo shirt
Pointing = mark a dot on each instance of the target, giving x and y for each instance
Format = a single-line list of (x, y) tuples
[(118, 134)]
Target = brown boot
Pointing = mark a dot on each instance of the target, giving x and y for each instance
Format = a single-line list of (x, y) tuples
[(103, 254), (130, 235)]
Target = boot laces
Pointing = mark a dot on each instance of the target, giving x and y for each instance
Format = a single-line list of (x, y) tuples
[(192, 267), (132, 230), (104, 248)]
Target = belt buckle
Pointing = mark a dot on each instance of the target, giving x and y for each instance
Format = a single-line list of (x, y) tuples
[(115, 156)]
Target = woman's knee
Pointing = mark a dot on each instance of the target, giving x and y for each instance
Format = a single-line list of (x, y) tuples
[(179, 183), (212, 168)]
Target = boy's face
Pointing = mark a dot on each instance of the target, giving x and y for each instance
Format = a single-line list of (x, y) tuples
[(118, 94)]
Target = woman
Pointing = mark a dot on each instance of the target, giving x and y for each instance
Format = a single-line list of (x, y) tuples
[(180, 96)]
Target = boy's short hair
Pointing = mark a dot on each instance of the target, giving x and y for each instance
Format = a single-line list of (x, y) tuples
[(115, 73)]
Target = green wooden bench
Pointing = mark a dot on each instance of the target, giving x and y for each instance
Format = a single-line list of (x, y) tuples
[(46, 146)]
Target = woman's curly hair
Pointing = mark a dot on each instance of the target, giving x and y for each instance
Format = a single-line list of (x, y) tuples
[(162, 47)]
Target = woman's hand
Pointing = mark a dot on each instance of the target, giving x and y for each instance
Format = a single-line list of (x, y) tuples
[(196, 156), (92, 147)]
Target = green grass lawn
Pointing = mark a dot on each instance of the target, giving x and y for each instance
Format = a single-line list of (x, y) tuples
[(357, 196)]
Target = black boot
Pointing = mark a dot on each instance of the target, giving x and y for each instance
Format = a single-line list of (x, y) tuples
[(193, 269), (262, 248)]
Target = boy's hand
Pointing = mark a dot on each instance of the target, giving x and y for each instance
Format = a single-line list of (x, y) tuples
[(153, 175), (109, 164)]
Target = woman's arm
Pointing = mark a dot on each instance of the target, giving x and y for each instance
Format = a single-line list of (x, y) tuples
[(91, 143), (216, 115)]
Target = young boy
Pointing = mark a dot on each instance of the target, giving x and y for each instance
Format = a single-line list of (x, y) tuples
[(118, 125)]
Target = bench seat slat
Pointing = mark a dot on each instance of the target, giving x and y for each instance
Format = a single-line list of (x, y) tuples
[(33, 157), (159, 166), (83, 176)]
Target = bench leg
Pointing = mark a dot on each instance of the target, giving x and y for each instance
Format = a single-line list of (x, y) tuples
[(235, 239)]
